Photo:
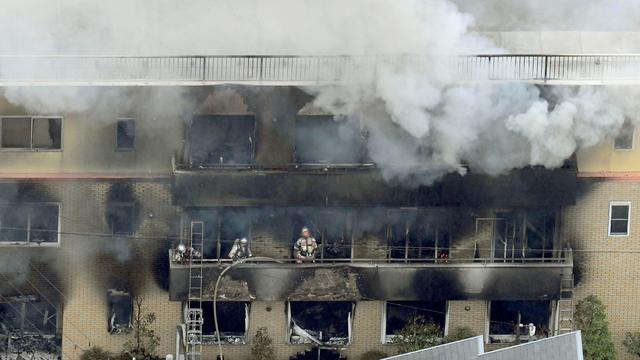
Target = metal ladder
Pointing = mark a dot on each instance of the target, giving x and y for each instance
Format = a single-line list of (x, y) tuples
[(565, 305), (193, 312)]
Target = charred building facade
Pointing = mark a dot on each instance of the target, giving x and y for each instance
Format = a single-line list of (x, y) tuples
[(98, 205)]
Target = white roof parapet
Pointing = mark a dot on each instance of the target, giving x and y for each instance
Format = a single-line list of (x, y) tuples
[(63, 70), (561, 347)]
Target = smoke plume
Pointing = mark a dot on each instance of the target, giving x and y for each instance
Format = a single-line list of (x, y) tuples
[(421, 123)]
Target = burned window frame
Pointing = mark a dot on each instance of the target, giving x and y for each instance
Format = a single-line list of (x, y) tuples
[(225, 339), (343, 341), (31, 147), (111, 295), (22, 302), (388, 338), (413, 218), (517, 223), (125, 121), (190, 142), (522, 336), (204, 217), (320, 230), (28, 229), (611, 219)]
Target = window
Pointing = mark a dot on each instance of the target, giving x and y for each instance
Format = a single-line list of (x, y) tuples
[(32, 133), (27, 315), (415, 236), (221, 140), (400, 313), (120, 311), (624, 140), (29, 223), (121, 218), (125, 134), (217, 229), (320, 322), (321, 139), (619, 214), (523, 320), (233, 321)]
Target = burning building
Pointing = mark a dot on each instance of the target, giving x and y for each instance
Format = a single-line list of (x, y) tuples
[(148, 193)]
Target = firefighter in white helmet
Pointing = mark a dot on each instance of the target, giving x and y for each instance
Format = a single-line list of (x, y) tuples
[(306, 247), (240, 250)]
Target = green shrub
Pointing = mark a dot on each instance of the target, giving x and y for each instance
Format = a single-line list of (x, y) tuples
[(96, 353), (590, 317), (373, 355), (418, 334), (632, 343), (459, 333)]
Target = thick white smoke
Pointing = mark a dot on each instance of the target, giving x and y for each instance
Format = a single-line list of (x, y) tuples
[(421, 123)]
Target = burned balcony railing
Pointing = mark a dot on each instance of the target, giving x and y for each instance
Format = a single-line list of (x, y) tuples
[(309, 70), (561, 257)]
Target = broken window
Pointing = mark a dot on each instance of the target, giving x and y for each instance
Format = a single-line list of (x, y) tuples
[(219, 229), (619, 212), (399, 314), (323, 139), (413, 236), (29, 223), (624, 140), (120, 311), (125, 134), (519, 320), (26, 315), (320, 322), (221, 140), (34, 133), (121, 218), (233, 321)]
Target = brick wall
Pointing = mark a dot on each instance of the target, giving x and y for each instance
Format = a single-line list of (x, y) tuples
[(607, 266)]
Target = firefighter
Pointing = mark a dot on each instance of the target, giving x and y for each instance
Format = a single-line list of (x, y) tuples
[(240, 249), (306, 247)]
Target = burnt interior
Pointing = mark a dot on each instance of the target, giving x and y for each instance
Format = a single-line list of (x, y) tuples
[(28, 214), (120, 304), (232, 319), (513, 318), (27, 315), (399, 314), (221, 139), (324, 321)]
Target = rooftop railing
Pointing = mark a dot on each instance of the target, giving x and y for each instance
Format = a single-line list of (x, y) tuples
[(312, 70)]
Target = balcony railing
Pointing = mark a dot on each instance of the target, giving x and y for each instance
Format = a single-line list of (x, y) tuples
[(309, 70)]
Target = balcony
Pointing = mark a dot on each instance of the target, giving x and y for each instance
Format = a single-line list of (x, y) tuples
[(76, 70), (379, 279)]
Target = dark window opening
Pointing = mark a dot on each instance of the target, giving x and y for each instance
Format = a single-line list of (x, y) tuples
[(29, 223), (221, 140), (320, 322), (37, 133), (624, 140), (400, 313), (219, 230), (233, 320), (321, 139), (120, 311), (519, 320), (414, 236), (122, 218), (28, 316), (619, 218), (125, 134)]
